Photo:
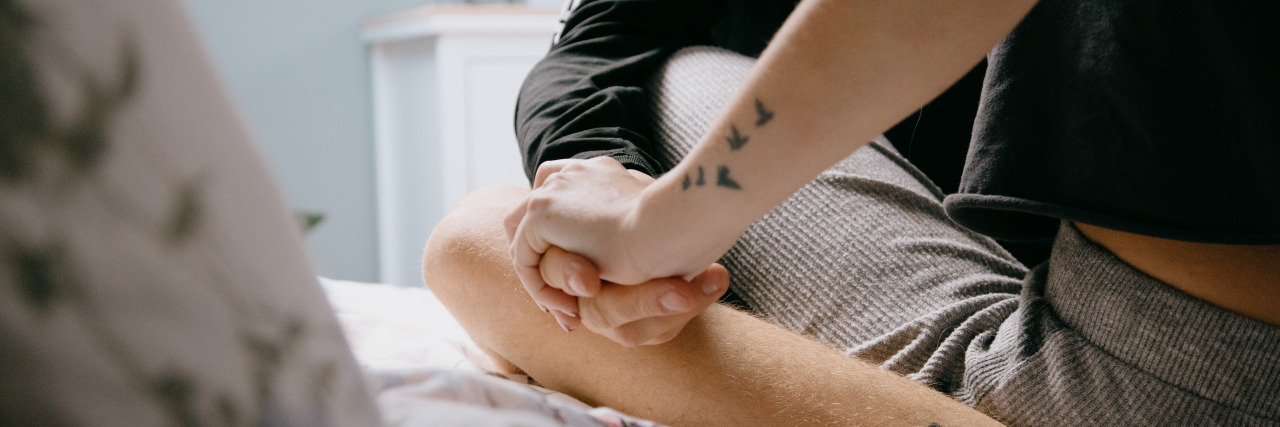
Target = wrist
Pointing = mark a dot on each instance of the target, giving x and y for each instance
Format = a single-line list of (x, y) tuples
[(648, 230), (673, 235)]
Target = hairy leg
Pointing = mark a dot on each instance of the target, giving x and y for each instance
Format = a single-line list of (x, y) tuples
[(725, 368)]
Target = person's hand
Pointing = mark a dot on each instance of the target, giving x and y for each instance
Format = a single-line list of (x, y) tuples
[(583, 207), (650, 313), (586, 207)]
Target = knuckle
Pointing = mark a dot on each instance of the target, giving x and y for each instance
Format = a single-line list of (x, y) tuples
[(632, 309), (550, 167), (653, 305), (547, 276), (592, 317), (627, 337), (615, 312), (665, 336), (603, 160), (553, 259), (539, 200), (548, 267), (513, 218), (608, 318), (525, 256), (530, 285)]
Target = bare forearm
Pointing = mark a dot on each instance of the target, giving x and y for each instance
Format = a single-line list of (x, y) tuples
[(833, 78), (726, 368)]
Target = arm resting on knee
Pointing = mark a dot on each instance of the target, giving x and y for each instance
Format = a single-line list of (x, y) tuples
[(726, 368)]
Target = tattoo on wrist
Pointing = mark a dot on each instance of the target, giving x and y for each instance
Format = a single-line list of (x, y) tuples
[(702, 180), (763, 115), (737, 140), (723, 180)]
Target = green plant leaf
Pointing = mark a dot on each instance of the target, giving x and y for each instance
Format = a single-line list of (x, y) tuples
[(309, 220)]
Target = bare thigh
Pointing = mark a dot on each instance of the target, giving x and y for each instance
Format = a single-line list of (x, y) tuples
[(725, 368)]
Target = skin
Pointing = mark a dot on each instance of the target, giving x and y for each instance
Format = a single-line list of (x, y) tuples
[(570, 288), (724, 368), (1243, 279), (833, 78)]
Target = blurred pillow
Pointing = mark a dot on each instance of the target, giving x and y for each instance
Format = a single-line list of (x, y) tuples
[(150, 273)]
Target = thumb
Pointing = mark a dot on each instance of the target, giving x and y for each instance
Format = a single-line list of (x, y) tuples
[(713, 280)]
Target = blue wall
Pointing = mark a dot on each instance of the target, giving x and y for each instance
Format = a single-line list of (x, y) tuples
[(299, 74)]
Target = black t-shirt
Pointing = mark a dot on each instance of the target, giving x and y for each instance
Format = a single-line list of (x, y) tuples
[(587, 97), (1157, 117), (1154, 117)]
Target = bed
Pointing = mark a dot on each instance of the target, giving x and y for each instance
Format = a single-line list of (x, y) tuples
[(425, 370), (152, 272)]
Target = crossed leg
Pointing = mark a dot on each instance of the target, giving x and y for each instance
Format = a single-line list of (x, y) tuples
[(725, 368)]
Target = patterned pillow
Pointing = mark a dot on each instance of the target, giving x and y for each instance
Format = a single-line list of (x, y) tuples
[(150, 273)]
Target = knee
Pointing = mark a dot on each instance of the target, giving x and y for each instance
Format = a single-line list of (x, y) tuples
[(470, 239)]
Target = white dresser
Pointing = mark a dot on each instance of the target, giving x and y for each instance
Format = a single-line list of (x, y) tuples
[(445, 81)]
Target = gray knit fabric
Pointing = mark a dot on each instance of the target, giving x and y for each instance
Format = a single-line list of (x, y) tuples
[(865, 259), (856, 279), (1096, 342)]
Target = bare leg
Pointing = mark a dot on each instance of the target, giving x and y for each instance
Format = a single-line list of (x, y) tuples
[(725, 368)]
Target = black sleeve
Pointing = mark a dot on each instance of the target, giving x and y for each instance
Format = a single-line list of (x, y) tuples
[(586, 98)]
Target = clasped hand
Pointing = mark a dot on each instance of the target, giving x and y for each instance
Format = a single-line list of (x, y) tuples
[(579, 250)]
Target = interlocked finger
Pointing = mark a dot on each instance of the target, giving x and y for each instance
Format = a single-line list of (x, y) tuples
[(526, 257), (651, 331), (546, 169), (617, 306), (572, 273), (512, 222)]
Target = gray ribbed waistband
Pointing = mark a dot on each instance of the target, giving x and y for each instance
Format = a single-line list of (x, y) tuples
[(1162, 331)]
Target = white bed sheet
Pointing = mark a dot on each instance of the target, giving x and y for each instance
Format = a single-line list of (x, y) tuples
[(424, 369), (395, 327)]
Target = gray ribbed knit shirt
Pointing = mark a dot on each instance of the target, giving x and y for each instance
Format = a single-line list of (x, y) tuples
[(865, 259)]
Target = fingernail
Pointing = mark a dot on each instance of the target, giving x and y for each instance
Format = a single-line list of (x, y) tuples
[(563, 325), (576, 284), (674, 302), (709, 288)]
